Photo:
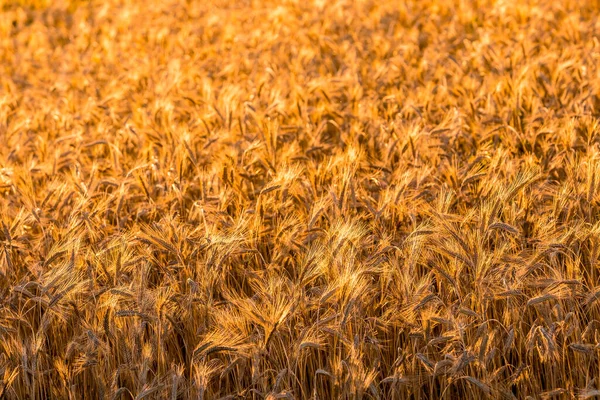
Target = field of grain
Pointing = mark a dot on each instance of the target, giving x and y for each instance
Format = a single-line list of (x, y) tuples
[(299, 199)]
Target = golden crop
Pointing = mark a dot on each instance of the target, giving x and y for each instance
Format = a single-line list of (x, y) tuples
[(308, 199)]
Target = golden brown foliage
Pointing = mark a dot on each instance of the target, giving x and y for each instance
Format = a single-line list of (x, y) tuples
[(299, 199)]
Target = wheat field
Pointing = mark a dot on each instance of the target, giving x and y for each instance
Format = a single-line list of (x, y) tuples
[(318, 199)]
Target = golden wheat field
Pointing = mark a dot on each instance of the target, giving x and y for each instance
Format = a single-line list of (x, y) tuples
[(299, 199)]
